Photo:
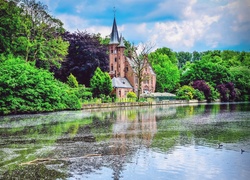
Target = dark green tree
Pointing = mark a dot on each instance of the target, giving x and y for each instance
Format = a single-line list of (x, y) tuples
[(183, 57), (196, 56), (10, 25)]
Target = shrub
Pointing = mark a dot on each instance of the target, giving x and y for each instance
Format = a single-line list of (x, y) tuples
[(214, 93), (199, 95), (185, 93), (25, 89), (131, 95)]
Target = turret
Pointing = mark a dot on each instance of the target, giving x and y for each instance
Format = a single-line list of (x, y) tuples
[(114, 37)]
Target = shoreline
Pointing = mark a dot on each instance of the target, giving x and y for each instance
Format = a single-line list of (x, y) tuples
[(132, 104)]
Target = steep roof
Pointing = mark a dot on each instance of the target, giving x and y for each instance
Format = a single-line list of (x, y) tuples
[(114, 37), (121, 42), (119, 82)]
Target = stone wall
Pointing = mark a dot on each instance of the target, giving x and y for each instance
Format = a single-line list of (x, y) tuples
[(131, 104)]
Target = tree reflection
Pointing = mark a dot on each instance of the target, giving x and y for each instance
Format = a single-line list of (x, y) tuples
[(85, 142)]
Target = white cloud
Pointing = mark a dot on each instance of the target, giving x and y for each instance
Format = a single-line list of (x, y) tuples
[(178, 35), (179, 25)]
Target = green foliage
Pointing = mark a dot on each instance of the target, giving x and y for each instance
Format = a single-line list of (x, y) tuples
[(167, 73), (241, 76), (131, 95), (9, 22), (211, 72), (105, 99), (27, 30), (83, 92), (25, 89), (219, 67), (214, 94), (100, 83), (183, 57), (185, 93), (199, 95), (104, 41), (166, 51), (72, 82)]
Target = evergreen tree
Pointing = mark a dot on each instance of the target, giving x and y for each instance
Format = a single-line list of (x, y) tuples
[(72, 82), (100, 83)]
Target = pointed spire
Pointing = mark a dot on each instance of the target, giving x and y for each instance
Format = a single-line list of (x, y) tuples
[(114, 37), (121, 42)]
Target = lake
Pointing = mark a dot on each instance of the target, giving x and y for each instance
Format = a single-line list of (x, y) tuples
[(195, 141)]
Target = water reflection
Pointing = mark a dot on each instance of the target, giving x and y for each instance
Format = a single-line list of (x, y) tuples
[(123, 143)]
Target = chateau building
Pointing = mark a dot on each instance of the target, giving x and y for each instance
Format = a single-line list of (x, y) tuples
[(123, 75)]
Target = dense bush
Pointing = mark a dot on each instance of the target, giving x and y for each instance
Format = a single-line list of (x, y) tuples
[(214, 93), (199, 95), (25, 89), (131, 95), (185, 93), (241, 81)]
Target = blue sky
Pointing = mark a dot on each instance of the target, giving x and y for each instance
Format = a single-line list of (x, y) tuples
[(182, 25)]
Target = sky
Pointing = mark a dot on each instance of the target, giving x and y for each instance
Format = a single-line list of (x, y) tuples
[(181, 25)]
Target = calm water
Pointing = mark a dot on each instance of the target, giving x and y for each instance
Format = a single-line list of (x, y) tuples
[(159, 142)]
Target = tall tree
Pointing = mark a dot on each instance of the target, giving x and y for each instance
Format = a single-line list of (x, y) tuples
[(42, 33), (169, 53), (168, 76), (139, 58), (85, 54), (10, 22), (30, 32), (213, 73), (183, 57), (241, 76), (196, 56)]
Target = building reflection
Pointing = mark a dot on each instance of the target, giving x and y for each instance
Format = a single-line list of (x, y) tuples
[(132, 130), (131, 126)]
